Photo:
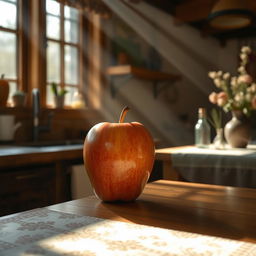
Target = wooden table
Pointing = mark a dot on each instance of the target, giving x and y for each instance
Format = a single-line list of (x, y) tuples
[(230, 166), (225, 212), (164, 155)]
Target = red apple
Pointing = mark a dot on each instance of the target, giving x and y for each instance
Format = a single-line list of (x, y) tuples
[(118, 158)]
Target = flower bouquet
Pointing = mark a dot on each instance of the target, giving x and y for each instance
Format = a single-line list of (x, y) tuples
[(238, 95), (236, 92)]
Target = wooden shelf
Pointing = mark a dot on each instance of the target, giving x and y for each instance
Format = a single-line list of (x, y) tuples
[(141, 73)]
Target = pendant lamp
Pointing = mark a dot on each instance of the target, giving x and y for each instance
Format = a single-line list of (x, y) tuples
[(230, 14)]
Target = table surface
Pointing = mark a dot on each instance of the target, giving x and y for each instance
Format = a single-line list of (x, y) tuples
[(226, 212)]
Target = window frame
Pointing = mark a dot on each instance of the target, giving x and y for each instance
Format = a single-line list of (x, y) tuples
[(63, 43), (18, 33), (31, 54)]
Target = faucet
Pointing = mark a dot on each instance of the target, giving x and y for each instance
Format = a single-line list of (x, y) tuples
[(36, 111)]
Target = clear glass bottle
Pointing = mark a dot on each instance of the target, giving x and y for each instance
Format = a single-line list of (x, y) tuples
[(202, 130)]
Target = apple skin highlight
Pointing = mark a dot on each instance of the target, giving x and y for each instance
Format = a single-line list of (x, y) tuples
[(118, 158)]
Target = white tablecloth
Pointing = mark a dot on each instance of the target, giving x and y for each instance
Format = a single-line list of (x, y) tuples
[(230, 167), (51, 233)]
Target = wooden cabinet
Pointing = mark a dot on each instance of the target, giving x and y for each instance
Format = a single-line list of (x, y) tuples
[(32, 186)]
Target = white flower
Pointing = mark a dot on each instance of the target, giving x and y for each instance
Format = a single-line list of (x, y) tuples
[(239, 97), (226, 76), (241, 69), (212, 74), (246, 49), (244, 57), (234, 82), (217, 82), (219, 73), (253, 87)]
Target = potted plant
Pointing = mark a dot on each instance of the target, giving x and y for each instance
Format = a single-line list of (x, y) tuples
[(59, 95), (19, 98)]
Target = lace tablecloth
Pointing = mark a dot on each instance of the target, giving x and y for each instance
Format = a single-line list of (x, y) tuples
[(52, 233)]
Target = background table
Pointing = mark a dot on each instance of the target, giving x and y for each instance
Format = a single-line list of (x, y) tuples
[(230, 167)]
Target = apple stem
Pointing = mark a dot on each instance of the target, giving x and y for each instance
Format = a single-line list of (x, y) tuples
[(123, 114)]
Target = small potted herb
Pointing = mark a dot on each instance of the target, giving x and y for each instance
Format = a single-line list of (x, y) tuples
[(19, 98), (59, 95)]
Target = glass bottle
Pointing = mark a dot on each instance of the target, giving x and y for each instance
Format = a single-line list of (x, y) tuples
[(202, 130)]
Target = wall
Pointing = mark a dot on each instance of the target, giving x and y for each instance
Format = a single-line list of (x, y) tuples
[(183, 51)]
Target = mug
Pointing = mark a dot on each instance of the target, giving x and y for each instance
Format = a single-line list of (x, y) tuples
[(8, 127)]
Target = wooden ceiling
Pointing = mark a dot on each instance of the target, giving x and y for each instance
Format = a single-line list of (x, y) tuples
[(195, 13)]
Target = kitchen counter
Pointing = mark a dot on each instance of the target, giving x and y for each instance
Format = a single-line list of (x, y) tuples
[(16, 155), (36, 174)]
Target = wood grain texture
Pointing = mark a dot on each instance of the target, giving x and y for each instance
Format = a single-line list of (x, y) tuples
[(221, 211)]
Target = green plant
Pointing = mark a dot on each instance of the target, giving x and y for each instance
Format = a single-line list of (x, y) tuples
[(19, 93), (215, 118), (58, 92)]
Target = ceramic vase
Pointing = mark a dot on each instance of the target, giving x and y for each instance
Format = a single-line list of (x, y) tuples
[(59, 101), (238, 130)]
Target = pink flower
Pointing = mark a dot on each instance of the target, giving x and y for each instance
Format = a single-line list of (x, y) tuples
[(213, 97), (222, 99), (253, 102), (245, 79)]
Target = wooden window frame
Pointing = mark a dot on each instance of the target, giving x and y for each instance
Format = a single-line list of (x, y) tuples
[(62, 43), (31, 71), (18, 33)]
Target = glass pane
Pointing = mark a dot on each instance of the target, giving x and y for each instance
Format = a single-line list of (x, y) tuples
[(53, 7), (12, 90), (71, 61), (8, 54), (53, 62), (53, 27), (49, 96), (71, 31), (70, 95), (71, 13), (8, 15)]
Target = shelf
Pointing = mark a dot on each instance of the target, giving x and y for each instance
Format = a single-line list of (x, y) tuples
[(129, 71)]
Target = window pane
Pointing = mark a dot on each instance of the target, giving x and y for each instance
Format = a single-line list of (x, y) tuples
[(53, 27), (8, 54), (71, 34), (12, 90), (53, 62), (71, 13), (69, 97), (71, 62), (49, 96), (53, 7), (8, 13)]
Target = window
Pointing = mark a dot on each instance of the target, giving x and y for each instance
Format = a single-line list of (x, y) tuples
[(9, 43), (63, 49)]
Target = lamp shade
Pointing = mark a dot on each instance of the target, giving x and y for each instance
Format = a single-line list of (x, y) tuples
[(230, 14)]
